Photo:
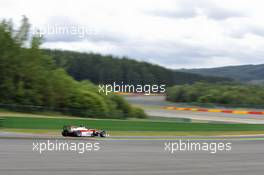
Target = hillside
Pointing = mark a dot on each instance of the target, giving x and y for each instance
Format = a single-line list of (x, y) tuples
[(108, 69), (245, 73), (31, 82), (229, 95)]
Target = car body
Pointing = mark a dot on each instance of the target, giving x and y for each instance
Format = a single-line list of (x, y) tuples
[(81, 131)]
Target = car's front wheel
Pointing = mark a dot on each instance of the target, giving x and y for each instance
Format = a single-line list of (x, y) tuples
[(102, 134)]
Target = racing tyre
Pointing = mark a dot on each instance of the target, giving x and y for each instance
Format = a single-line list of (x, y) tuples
[(102, 134), (78, 133), (64, 134)]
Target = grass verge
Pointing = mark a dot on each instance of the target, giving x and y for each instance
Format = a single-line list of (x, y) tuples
[(54, 132), (124, 125)]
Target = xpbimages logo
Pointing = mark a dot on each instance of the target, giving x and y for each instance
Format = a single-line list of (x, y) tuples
[(187, 145), (79, 147), (125, 88)]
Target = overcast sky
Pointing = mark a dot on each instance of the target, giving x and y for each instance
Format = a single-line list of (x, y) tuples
[(172, 33)]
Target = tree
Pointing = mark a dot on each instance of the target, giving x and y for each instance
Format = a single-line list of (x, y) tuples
[(30, 77)]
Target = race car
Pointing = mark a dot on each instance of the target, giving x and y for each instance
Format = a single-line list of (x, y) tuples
[(81, 131)]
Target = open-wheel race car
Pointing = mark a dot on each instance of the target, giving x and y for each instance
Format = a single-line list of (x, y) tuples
[(81, 131)]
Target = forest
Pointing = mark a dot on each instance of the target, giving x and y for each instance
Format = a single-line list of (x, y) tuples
[(106, 69), (228, 94), (30, 80), (35, 79)]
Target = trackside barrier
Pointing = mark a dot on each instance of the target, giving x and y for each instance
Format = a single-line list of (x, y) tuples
[(214, 110), (140, 94)]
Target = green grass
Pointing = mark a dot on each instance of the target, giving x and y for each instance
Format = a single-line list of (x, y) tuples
[(183, 133), (123, 125), (57, 132)]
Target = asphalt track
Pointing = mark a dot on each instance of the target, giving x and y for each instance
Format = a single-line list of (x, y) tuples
[(128, 156), (153, 107), (136, 155)]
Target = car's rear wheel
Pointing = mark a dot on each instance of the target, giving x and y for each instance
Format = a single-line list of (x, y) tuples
[(64, 134), (78, 133)]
